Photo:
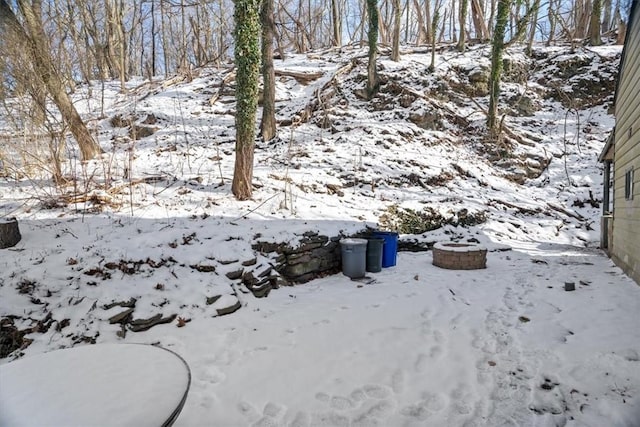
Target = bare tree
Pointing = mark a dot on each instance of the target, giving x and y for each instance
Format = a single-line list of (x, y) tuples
[(594, 23), (116, 43), (31, 35), (372, 72), (462, 16), (479, 22), (497, 49), (268, 123), (336, 20), (533, 25), (397, 12)]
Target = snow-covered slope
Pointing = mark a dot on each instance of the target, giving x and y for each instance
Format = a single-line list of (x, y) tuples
[(152, 226)]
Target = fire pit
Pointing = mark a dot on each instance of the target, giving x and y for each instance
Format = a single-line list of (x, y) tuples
[(459, 256)]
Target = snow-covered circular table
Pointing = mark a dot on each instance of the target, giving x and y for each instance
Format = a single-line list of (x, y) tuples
[(95, 385)]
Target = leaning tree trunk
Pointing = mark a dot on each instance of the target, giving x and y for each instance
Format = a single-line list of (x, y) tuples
[(268, 123), (32, 36), (9, 232), (247, 58)]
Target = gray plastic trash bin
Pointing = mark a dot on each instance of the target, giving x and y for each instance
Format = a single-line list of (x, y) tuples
[(354, 257), (374, 254)]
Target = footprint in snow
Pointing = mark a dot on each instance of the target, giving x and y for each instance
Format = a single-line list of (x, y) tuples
[(429, 405), (213, 375), (463, 401), (374, 391), (329, 419), (375, 415), (341, 403), (358, 395), (301, 419)]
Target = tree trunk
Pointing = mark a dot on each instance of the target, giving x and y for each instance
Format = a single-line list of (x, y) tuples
[(434, 30), (622, 32), (336, 19), (397, 12), (268, 123), (533, 26), (32, 36), (9, 232), (496, 64), (464, 6), (606, 16), (482, 32), (594, 23), (582, 17), (372, 72), (423, 33), (552, 22), (153, 39), (247, 58)]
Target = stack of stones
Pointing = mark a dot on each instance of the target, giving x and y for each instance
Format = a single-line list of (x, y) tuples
[(314, 256)]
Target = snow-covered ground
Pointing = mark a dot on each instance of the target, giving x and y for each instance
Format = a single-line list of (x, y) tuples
[(154, 220)]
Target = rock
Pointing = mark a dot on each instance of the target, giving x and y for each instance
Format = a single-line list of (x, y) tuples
[(138, 132), (523, 105), (515, 70), (118, 121), (227, 304), (261, 289), (140, 325), (248, 279), (121, 317), (129, 304), (250, 262), (235, 274), (266, 272), (427, 119), (478, 82), (202, 268), (151, 119), (229, 310), (213, 299)]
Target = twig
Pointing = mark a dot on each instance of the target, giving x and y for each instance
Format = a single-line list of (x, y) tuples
[(254, 209)]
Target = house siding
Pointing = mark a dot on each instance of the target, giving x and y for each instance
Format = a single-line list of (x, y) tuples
[(625, 249)]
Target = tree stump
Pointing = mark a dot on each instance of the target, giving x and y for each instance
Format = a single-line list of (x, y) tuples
[(9, 232)]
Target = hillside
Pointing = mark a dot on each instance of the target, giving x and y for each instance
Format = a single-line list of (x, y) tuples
[(150, 232)]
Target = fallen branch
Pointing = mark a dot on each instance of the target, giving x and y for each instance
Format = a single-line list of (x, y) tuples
[(565, 211), (520, 209), (301, 77)]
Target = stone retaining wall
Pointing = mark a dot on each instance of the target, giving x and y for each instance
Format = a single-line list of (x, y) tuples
[(315, 256)]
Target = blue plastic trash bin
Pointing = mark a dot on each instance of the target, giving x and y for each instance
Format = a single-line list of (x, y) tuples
[(390, 250)]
